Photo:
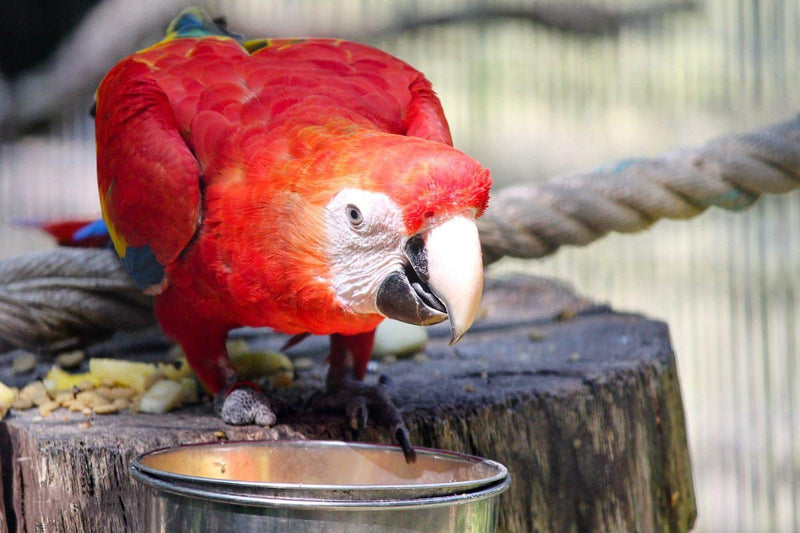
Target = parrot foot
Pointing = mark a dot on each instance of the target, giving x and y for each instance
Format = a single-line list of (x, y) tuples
[(360, 401), (242, 404)]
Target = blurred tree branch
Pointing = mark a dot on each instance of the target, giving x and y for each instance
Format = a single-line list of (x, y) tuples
[(580, 19), (115, 28)]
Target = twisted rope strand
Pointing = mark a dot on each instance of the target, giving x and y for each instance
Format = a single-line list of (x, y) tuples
[(730, 172)]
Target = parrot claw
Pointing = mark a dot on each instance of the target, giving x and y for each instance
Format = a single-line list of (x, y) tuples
[(358, 412), (359, 401), (243, 405), (403, 439)]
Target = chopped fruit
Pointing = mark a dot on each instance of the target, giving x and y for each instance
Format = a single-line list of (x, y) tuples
[(138, 376), (163, 396)]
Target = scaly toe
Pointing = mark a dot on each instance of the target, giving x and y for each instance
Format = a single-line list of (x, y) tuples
[(243, 406), (361, 402)]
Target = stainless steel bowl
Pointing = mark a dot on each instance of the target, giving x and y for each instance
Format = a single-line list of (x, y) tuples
[(319, 486)]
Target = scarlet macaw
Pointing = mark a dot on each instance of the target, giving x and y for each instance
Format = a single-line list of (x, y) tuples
[(306, 185)]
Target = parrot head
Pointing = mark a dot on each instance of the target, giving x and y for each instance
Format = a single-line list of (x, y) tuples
[(400, 234)]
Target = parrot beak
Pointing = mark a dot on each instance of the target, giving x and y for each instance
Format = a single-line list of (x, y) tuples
[(442, 279)]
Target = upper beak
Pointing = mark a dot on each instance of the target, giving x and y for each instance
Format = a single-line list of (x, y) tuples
[(443, 278)]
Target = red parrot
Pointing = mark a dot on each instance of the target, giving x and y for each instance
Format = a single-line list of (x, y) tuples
[(305, 185)]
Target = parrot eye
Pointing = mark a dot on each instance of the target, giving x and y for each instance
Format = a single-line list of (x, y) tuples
[(354, 215)]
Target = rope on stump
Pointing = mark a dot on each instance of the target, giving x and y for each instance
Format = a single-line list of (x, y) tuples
[(730, 172), (56, 300)]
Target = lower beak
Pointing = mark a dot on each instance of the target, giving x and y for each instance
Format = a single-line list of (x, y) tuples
[(442, 279)]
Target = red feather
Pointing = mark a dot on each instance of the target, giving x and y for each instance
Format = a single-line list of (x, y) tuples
[(221, 162)]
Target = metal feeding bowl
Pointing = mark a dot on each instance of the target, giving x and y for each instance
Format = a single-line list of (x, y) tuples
[(319, 486)]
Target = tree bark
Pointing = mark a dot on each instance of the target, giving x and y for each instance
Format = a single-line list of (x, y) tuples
[(581, 403)]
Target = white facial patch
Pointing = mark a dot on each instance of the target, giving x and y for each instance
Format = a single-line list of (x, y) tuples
[(365, 244)]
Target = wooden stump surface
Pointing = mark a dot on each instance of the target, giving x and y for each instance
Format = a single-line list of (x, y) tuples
[(581, 403)]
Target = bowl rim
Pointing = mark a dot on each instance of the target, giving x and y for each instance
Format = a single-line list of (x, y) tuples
[(321, 495)]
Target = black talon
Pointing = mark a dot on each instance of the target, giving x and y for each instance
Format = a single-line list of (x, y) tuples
[(363, 417), (361, 402), (358, 412), (403, 438), (354, 423)]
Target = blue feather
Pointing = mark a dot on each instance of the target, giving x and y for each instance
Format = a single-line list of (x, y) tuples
[(97, 228), (143, 267), (195, 22)]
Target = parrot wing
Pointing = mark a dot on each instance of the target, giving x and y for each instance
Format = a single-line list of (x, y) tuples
[(377, 83), (425, 117), (148, 178)]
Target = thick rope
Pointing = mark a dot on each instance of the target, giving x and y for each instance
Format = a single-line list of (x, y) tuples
[(69, 297), (730, 172), (51, 301)]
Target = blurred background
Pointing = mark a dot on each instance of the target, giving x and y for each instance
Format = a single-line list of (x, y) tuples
[(531, 89)]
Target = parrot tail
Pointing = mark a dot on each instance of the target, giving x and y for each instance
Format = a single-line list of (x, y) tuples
[(77, 233), (195, 22)]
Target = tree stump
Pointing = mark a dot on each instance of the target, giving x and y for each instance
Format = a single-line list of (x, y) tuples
[(582, 404)]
